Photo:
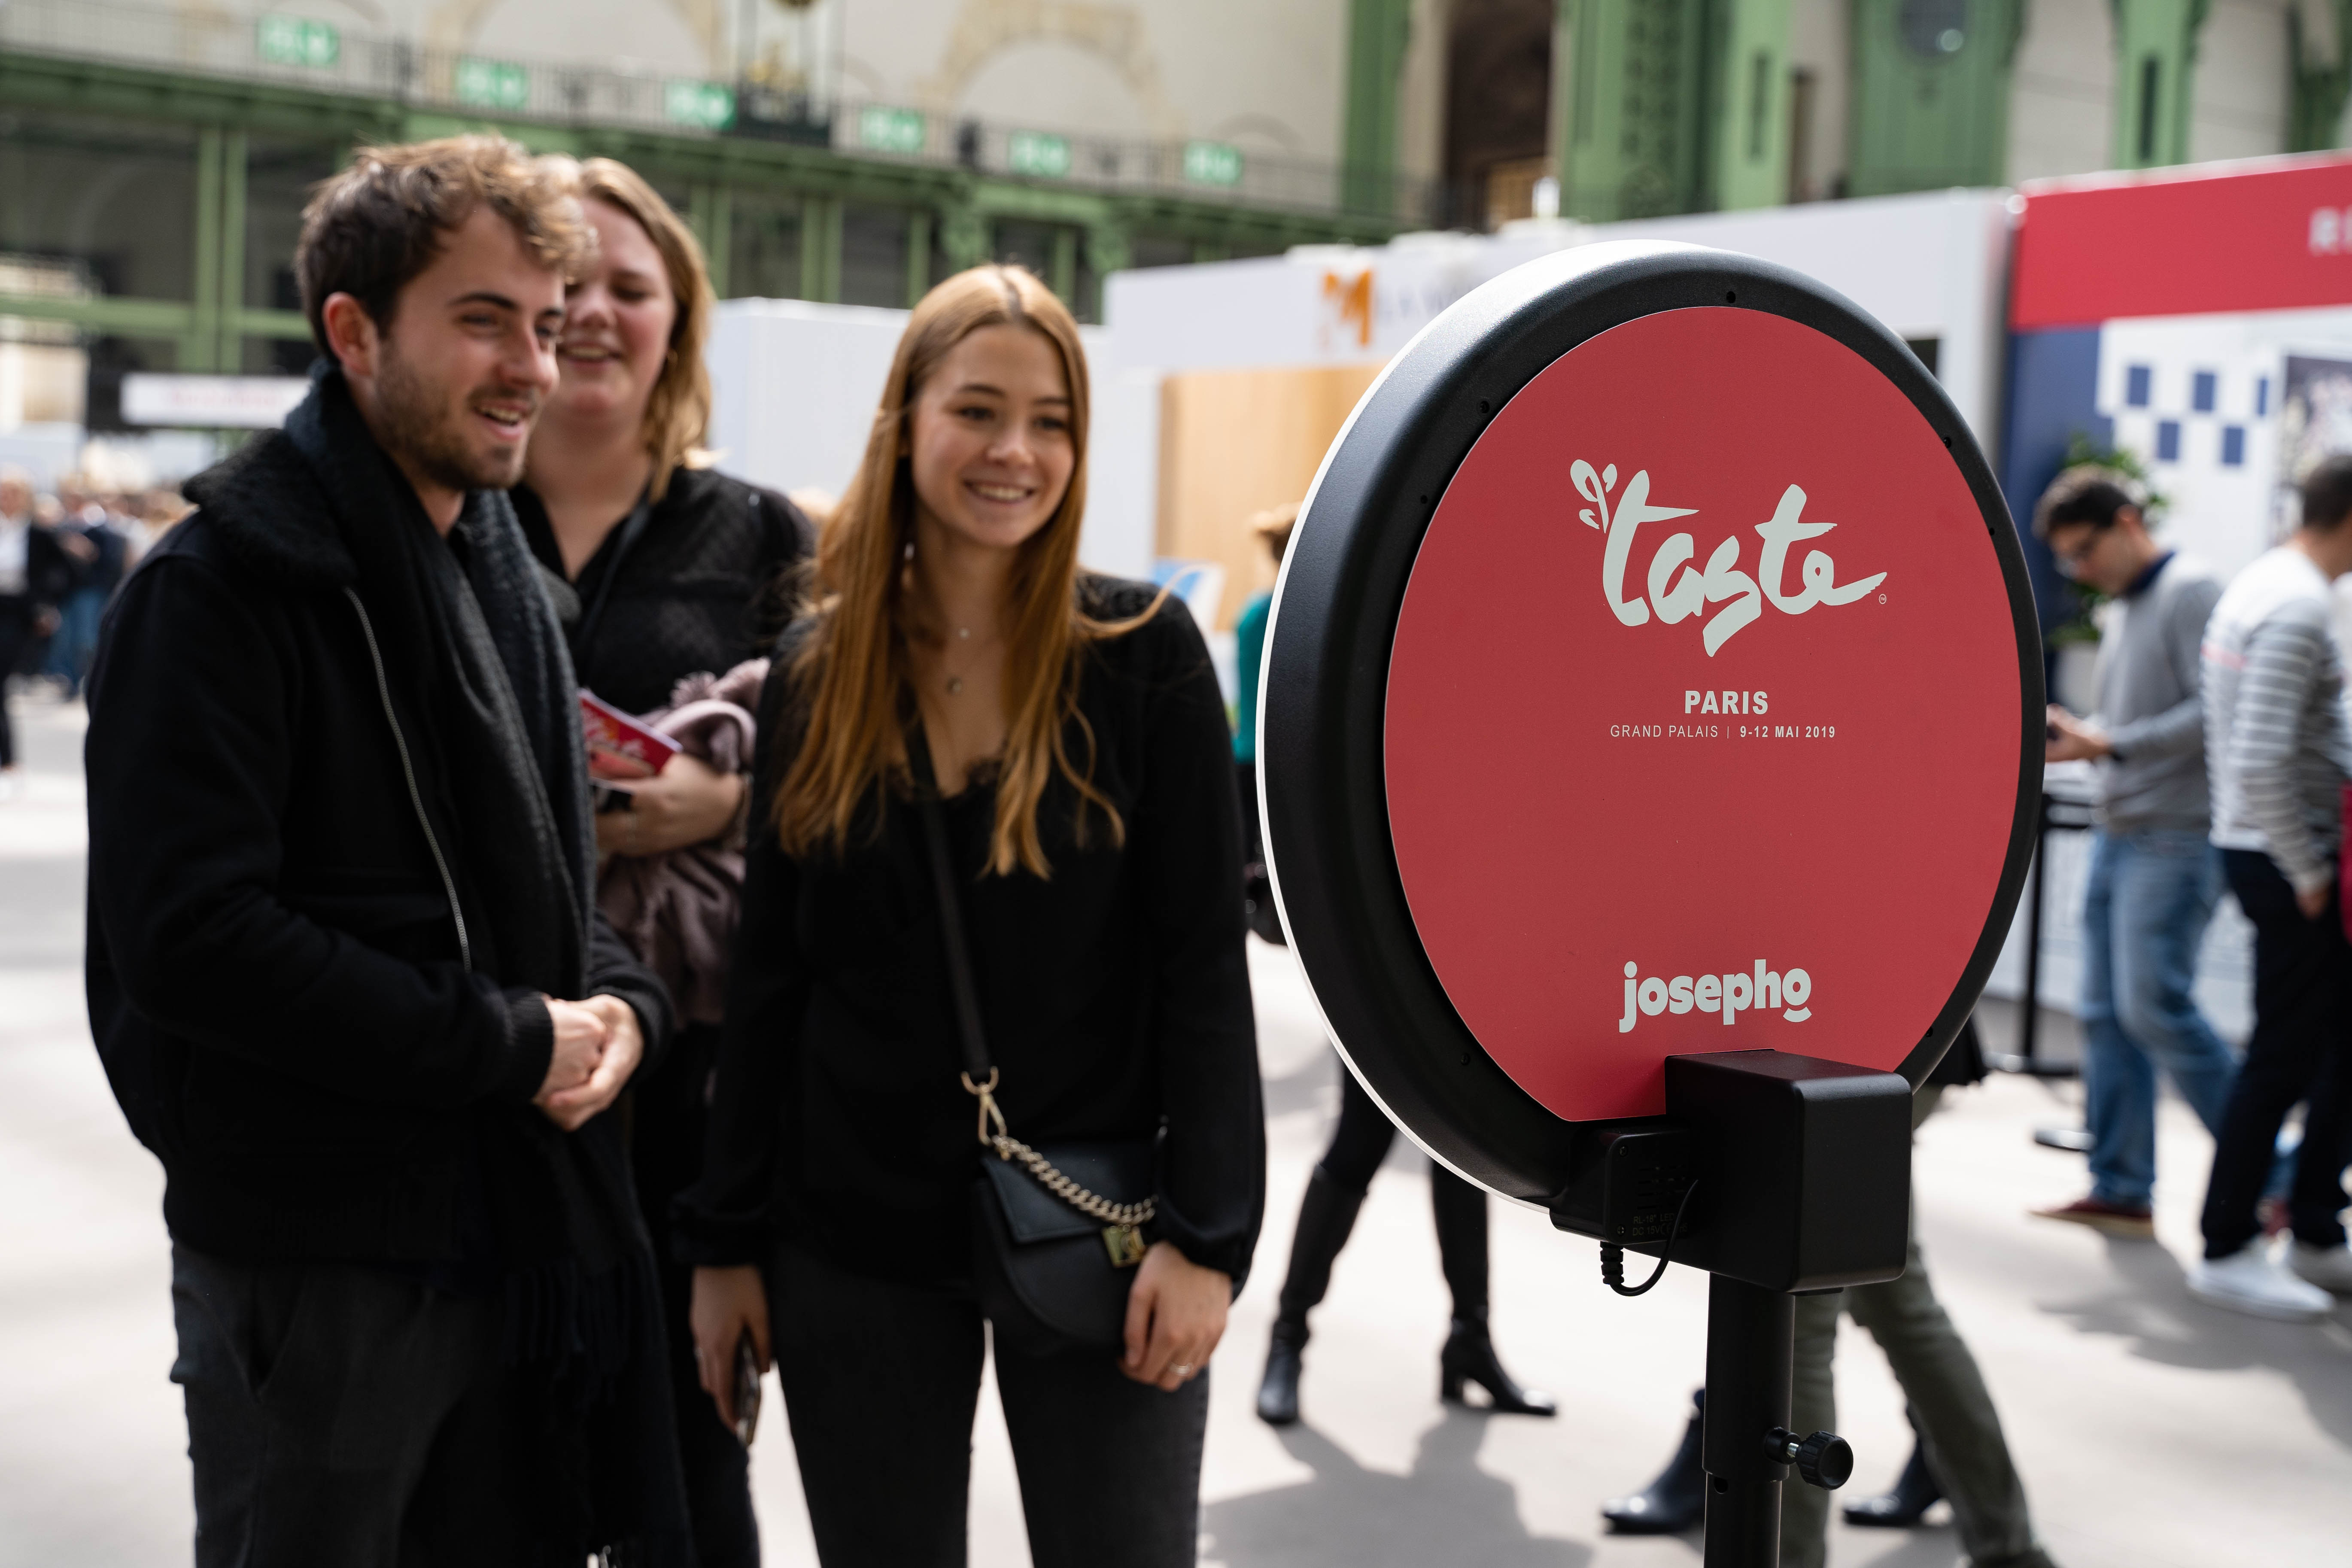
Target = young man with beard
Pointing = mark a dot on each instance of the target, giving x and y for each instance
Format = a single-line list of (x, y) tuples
[(344, 971)]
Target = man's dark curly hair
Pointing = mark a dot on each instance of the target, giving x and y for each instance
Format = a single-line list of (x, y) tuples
[(2085, 493), (371, 228)]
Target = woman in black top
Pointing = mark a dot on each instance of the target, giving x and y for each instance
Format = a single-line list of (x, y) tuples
[(1075, 728), (672, 570)]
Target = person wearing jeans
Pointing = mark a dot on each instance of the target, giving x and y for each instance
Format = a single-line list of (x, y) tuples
[(2150, 897), (2279, 752), (2154, 878)]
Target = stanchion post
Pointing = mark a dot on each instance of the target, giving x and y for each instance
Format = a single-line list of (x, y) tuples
[(1750, 1337), (2030, 1015)]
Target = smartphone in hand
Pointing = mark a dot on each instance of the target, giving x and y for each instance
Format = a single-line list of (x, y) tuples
[(747, 1389)]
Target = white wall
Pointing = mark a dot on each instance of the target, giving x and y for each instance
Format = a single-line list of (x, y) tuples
[(797, 385), (2060, 103), (1265, 75), (2238, 106), (622, 35), (1930, 265), (1421, 91), (2228, 514), (1818, 41)]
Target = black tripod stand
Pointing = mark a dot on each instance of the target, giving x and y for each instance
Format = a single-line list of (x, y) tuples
[(1801, 1173)]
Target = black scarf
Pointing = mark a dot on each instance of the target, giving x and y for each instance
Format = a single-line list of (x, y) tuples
[(470, 640)]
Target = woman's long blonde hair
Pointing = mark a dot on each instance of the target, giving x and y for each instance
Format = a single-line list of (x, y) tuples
[(678, 415), (850, 672)]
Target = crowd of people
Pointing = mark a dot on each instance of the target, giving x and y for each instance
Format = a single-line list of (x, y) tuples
[(63, 553), (617, 934), (522, 1103)]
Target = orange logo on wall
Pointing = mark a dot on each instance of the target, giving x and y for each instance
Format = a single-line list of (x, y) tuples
[(1351, 302)]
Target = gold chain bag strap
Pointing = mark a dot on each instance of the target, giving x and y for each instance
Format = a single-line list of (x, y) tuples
[(993, 1135), (1122, 1234)]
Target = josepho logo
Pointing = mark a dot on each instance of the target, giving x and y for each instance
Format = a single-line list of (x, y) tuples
[(1729, 995), (1677, 598)]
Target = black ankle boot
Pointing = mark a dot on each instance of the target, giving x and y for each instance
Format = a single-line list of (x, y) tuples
[(1469, 1357), (1914, 1493), (1278, 1393), (1325, 1217), (1676, 1500)]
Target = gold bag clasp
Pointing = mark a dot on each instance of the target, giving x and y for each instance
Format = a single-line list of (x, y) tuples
[(1125, 1244)]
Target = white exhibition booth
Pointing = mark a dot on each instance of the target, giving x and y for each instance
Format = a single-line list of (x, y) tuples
[(1932, 267)]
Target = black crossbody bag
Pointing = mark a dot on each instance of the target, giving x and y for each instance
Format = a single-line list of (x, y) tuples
[(1057, 1231)]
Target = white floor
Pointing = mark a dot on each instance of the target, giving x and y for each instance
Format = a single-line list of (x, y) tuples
[(2153, 1432)]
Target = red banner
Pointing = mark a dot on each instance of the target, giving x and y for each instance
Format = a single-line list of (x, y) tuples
[(2270, 236)]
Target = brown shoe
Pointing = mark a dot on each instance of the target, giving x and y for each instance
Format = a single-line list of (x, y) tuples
[(2108, 1219)]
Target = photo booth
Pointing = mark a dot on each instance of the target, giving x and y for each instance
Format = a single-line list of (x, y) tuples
[(1650, 754)]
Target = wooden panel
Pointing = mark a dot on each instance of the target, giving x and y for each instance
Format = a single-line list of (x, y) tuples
[(1233, 443)]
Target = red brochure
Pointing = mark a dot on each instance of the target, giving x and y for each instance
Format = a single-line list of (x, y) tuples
[(619, 747)]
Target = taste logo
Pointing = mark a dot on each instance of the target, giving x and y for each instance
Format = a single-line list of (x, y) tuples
[(1729, 995), (1677, 598)]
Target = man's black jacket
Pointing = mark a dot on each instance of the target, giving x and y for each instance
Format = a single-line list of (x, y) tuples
[(274, 968)]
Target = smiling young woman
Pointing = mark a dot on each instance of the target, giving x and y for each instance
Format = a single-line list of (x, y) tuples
[(1067, 731), (674, 570)]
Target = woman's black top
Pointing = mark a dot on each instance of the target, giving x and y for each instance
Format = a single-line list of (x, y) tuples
[(698, 589), (1115, 994)]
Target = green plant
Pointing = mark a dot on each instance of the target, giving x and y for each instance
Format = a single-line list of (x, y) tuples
[(2081, 450)]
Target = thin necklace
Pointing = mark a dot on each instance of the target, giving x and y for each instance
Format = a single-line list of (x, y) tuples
[(955, 682)]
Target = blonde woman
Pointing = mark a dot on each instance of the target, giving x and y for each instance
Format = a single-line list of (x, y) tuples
[(1074, 732), (673, 570)]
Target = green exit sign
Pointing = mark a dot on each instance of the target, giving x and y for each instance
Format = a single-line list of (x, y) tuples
[(882, 129), (1212, 164), (1039, 152), (700, 105), (492, 84), (296, 41)]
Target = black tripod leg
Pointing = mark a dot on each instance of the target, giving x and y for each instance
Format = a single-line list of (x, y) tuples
[(1750, 1335)]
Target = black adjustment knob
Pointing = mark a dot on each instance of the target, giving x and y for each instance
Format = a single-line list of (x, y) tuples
[(1825, 1459)]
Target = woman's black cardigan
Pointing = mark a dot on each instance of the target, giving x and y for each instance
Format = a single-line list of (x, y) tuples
[(701, 588), (1115, 994)]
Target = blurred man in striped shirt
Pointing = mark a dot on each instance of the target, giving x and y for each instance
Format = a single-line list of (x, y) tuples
[(2279, 754)]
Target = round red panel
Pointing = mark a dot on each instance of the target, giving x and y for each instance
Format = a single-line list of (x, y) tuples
[(1703, 714)]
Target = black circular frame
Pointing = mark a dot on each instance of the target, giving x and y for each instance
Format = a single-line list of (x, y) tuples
[(1322, 710)]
